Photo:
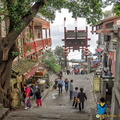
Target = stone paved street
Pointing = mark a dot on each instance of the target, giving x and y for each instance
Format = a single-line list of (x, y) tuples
[(59, 107)]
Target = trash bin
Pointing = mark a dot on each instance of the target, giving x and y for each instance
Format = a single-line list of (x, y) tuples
[(41, 84)]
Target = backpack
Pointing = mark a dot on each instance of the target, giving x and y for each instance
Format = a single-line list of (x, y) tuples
[(31, 92)]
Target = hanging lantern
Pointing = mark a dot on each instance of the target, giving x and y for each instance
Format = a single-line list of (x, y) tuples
[(66, 49), (24, 54), (25, 44), (86, 49), (66, 52), (86, 54), (35, 43)]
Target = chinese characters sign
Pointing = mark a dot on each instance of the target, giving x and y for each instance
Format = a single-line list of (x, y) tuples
[(79, 34), (73, 42)]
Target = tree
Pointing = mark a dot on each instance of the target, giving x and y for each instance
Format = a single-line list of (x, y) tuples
[(51, 61), (21, 12), (59, 52)]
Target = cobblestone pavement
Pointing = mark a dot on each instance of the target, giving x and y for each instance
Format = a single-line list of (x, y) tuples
[(59, 107)]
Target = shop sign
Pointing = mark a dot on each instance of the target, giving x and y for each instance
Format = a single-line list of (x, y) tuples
[(96, 84), (81, 34), (70, 34)]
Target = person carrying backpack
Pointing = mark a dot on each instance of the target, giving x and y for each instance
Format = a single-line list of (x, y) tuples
[(27, 96), (102, 106)]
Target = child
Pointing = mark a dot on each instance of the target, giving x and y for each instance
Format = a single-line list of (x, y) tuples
[(38, 98), (75, 94), (102, 108)]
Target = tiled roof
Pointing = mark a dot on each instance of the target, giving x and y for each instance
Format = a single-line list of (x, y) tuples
[(24, 66)]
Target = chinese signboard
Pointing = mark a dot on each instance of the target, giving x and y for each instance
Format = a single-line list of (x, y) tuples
[(96, 84), (70, 34), (79, 34), (73, 42)]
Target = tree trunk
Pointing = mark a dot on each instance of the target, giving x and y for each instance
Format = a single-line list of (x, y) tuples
[(5, 76)]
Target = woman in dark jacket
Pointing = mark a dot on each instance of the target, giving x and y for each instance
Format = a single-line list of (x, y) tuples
[(81, 96), (38, 98)]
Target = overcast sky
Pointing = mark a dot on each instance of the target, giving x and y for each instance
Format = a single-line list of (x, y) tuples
[(57, 31)]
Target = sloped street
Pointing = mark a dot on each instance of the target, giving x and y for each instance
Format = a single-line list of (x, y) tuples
[(59, 107)]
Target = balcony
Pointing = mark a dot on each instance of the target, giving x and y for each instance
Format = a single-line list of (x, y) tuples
[(38, 45)]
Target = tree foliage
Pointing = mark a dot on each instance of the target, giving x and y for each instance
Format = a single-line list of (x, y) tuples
[(17, 10), (51, 61), (59, 51)]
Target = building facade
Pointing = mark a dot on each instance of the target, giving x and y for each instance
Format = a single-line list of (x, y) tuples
[(108, 44), (32, 41)]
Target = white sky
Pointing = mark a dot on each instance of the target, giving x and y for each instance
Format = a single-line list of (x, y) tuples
[(57, 31)]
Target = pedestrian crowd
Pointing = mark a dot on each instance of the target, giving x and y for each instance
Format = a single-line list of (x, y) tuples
[(31, 92), (79, 96), (76, 94), (76, 71)]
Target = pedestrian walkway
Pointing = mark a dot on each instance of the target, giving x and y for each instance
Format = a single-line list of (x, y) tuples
[(59, 107)]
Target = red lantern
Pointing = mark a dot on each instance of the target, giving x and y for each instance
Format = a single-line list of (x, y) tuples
[(24, 55), (86, 49), (66, 52), (86, 54), (35, 43), (26, 44), (66, 49)]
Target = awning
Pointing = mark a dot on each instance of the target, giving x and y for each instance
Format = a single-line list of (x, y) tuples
[(27, 76)]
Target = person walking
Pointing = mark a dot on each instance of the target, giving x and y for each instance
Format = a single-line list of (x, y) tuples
[(27, 96), (60, 74), (60, 85), (71, 89), (81, 96), (102, 106), (66, 84), (35, 87), (75, 94), (55, 83), (38, 97)]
